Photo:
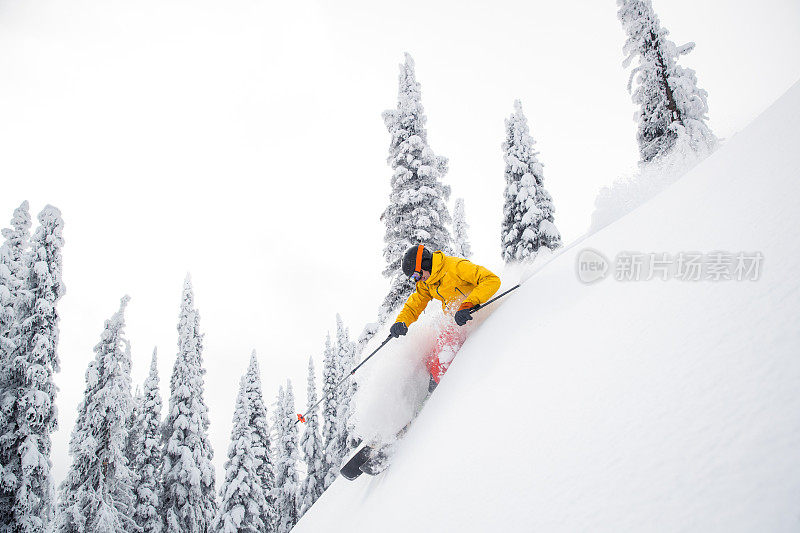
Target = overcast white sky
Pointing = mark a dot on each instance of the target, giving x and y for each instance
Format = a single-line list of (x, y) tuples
[(242, 141)]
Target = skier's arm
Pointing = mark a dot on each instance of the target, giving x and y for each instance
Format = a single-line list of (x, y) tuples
[(414, 306), (486, 283)]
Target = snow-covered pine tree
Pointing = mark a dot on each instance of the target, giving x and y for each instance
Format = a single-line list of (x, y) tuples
[(330, 404), (131, 450), (146, 464), (7, 481), (97, 494), (132, 443), (345, 353), (243, 504), (461, 246), (13, 291), (528, 208), (312, 449), (673, 107), (262, 442), (417, 211), (287, 480), (28, 398), (188, 499)]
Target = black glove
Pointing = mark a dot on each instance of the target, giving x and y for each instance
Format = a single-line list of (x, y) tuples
[(398, 328), (462, 317)]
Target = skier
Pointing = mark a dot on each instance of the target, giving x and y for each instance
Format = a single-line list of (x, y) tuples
[(459, 284)]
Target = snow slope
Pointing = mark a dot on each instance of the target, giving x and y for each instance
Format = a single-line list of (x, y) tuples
[(623, 406)]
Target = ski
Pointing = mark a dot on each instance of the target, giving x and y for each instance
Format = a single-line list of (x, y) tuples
[(352, 468)]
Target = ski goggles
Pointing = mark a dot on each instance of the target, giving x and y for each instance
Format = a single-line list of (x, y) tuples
[(417, 275)]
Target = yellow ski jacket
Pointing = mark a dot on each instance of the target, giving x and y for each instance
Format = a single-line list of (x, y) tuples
[(454, 281)]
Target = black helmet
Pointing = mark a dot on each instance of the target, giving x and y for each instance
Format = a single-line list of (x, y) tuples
[(416, 259)]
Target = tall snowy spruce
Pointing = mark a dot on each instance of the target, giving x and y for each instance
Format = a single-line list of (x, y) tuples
[(188, 499), (417, 211), (262, 442), (13, 291), (330, 404), (346, 355), (131, 450), (134, 434), (146, 464), (461, 246), (243, 504), (97, 494), (528, 208), (312, 449), (673, 107), (28, 414), (287, 479)]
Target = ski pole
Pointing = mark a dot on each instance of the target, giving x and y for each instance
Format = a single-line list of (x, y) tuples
[(484, 304), (302, 417)]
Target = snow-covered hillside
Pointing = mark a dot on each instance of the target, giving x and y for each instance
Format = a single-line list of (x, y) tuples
[(623, 405)]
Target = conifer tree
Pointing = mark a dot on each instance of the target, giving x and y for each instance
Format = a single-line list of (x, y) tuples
[(7, 477), (417, 211), (29, 414), (673, 107), (188, 499), (330, 403), (243, 504), (13, 291), (461, 246), (345, 354), (134, 435), (147, 461), (97, 494), (286, 476), (312, 449), (131, 451), (528, 208), (262, 442)]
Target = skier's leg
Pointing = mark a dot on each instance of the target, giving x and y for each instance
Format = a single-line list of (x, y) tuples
[(445, 349), (433, 365), (432, 384)]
